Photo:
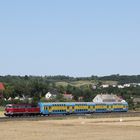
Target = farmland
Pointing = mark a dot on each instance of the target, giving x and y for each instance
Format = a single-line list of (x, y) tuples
[(72, 129)]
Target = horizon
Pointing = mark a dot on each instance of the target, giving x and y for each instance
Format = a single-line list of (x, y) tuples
[(69, 76)]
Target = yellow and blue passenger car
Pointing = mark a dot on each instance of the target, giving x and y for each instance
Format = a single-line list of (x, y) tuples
[(81, 107)]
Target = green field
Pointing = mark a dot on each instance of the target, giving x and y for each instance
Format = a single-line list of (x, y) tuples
[(84, 83), (1, 108)]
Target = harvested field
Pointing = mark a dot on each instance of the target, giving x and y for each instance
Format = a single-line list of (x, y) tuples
[(1, 113), (72, 129)]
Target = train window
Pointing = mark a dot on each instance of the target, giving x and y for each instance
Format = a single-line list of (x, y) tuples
[(67, 107), (28, 106), (21, 106), (8, 106), (88, 107), (73, 107)]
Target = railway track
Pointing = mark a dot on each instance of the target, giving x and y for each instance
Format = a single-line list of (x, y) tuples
[(61, 117)]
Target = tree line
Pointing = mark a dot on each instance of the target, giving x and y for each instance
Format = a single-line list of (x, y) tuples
[(37, 86)]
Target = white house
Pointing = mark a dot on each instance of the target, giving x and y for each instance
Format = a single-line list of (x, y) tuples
[(50, 95), (126, 85), (120, 86), (104, 86), (114, 86), (100, 98)]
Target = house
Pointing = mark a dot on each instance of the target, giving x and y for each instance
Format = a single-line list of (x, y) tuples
[(94, 87), (2, 87), (126, 85), (114, 86), (80, 98), (68, 96), (136, 100), (104, 86), (120, 86), (100, 98), (138, 84), (49, 95)]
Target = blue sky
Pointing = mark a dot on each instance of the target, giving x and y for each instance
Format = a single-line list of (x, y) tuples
[(75, 37)]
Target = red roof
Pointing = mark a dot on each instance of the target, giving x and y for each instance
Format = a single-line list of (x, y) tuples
[(2, 86)]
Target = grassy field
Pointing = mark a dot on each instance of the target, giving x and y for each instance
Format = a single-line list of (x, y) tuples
[(1, 113), (73, 129), (1, 108), (84, 83)]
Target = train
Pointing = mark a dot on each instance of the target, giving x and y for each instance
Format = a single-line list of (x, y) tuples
[(64, 108)]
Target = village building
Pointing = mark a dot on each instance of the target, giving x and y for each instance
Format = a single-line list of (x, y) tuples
[(101, 98), (2, 88), (68, 96), (136, 101)]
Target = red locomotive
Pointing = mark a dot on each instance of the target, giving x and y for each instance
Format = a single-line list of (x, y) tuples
[(21, 109)]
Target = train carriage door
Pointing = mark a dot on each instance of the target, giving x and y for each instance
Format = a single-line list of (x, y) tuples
[(68, 109), (50, 109), (89, 108), (109, 107), (73, 108)]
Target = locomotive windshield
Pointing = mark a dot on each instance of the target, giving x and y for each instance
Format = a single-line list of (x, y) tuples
[(8, 106)]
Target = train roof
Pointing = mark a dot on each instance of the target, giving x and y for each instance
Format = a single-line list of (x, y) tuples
[(20, 105), (72, 103)]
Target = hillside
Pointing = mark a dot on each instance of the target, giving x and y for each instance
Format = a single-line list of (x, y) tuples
[(85, 88)]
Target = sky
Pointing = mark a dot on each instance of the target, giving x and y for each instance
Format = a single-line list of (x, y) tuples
[(69, 37)]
